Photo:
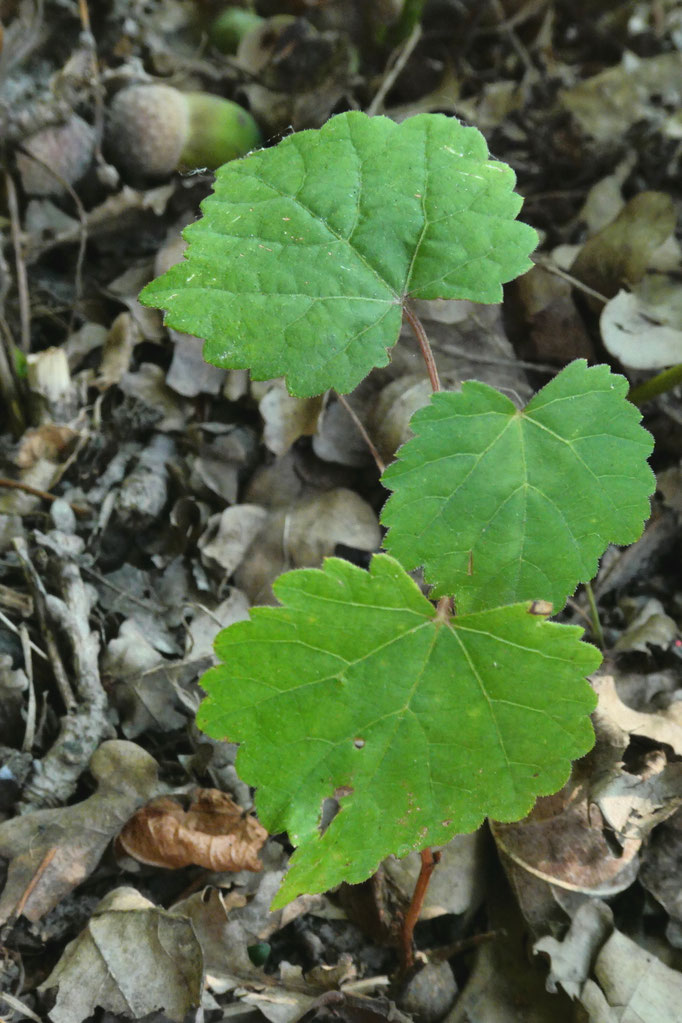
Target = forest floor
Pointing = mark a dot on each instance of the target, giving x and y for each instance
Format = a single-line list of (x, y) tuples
[(147, 500)]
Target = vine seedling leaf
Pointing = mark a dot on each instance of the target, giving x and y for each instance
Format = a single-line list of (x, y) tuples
[(357, 689), (501, 505), (306, 252)]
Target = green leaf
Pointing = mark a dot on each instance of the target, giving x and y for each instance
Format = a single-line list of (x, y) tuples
[(501, 505), (357, 689), (306, 252)]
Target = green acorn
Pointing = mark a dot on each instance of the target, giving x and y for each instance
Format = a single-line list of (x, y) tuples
[(230, 27), (153, 130)]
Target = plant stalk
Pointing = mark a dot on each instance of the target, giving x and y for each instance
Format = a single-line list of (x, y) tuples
[(429, 859), (420, 334), (662, 382), (597, 630)]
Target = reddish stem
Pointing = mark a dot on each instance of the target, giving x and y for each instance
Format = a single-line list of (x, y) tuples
[(420, 334), (429, 860)]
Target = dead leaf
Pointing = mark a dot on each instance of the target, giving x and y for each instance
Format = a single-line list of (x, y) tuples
[(650, 626), (50, 442), (148, 385), (189, 374), (213, 833), (551, 328), (117, 352), (76, 836), (285, 417), (635, 984), (661, 872), (621, 252), (562, 842), (337, 438), (608, 104), (229, 535), (132, 959), (315, 527), (227, 923), (208, 619), (662, 726), (571, 959), (642, 327), (303, 535), (388, 422)]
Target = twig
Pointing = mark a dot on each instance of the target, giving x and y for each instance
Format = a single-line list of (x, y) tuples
[(86, 724), (22, 280), (552, 268), (455, 948), (12, 627), (83, 230), (78, 509), (40, 598), (420, 334), (30, 732), (507, 27), (360, 427), (402, 56)]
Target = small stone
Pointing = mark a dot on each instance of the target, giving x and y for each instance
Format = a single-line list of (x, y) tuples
[(429, 995)]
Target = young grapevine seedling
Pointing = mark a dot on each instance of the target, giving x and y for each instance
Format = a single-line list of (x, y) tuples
[(419, 721)]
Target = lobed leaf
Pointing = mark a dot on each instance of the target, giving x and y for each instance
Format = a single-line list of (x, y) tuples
[(307, 251), (501, 505), (356, 689)]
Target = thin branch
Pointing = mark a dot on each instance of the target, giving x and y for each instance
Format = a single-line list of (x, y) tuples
[(360, 427), (401, 59), (552, 268), (20, 265), (78, 509), (40, 597)]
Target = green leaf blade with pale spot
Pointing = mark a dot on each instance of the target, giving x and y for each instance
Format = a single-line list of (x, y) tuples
[(501, 505), (307, 251), (355, 688)]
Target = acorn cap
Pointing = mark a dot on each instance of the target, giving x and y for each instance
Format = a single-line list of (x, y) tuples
[(67, 148), (146, 130)]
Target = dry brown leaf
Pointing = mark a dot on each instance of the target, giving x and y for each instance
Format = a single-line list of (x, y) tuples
[(214, 833), (562, 841)]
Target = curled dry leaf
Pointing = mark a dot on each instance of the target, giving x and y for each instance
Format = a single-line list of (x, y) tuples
[(214, 833)]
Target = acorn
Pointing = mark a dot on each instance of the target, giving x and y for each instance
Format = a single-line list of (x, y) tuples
[(153, 130), (230, 27), (66, 148)]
